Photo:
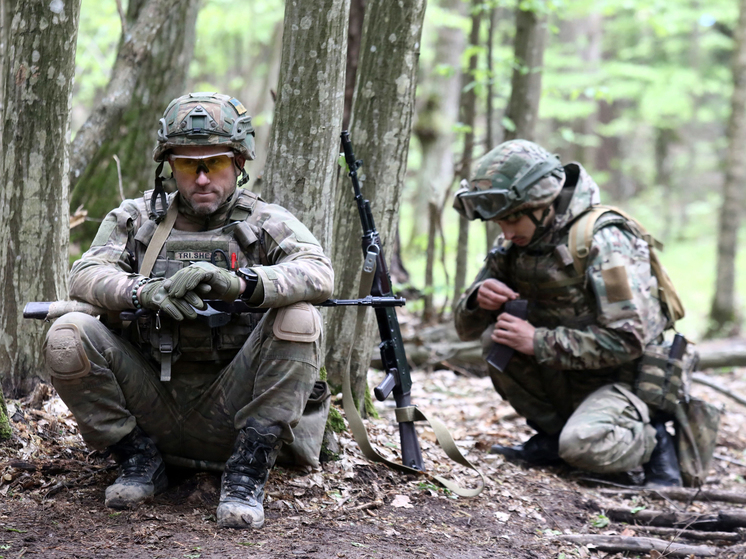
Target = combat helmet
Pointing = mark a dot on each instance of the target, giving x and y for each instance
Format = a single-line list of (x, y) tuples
[(201, 119), (205, 119), (514, 178)]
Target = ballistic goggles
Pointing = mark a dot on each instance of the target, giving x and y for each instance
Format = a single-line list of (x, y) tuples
[(196, 163), (498, 201)]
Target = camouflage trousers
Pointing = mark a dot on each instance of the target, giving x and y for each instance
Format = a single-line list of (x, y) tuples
[(110, 385), (605, 431)]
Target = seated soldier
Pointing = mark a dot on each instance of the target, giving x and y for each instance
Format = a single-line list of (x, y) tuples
[(171, 388), (577, 354)]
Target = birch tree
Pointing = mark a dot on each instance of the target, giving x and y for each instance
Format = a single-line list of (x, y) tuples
[(380, 130), (37, 71), (304, 142)]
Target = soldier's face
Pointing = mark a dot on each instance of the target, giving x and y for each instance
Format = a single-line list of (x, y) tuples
[(207, 188), (520, 229)]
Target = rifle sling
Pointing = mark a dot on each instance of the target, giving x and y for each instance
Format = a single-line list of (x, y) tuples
[(410, 413)]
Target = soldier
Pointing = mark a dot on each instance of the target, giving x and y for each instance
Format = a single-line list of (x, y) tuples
[(169, 387), (576, 355)]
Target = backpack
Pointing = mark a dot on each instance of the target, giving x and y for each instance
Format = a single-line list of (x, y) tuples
[(579, 243)]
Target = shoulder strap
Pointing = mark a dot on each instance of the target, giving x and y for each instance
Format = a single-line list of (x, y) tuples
[(581, 237), (411, 413), (159, 238)]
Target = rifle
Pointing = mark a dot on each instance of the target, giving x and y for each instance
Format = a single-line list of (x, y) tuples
[(218, 313), (391, 347), (500, 354)]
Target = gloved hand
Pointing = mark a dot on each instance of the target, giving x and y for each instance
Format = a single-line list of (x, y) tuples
[(223, 284), (155, 296)]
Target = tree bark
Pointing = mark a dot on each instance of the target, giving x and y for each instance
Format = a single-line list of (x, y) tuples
[(434, 129), (468, 114), (380, 129), (304, 142), (525, 94), (161, 78), (354, 36), (724, 316), (38, 74), (131, 61)]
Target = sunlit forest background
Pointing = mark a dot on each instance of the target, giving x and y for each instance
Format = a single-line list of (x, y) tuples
[(638, 91)]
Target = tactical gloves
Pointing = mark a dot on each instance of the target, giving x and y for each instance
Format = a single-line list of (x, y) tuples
[(155, 296), (222, 284)]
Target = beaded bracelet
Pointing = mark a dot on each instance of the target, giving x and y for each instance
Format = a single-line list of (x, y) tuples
[(135, 300)]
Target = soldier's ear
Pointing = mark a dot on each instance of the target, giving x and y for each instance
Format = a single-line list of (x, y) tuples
[(240, 161)]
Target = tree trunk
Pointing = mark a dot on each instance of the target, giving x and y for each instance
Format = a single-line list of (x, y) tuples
[(724, 316), (468, 114), (304, 142), (38, 75), (354, 36), (434, 129), (664, 138), (380, 131), (523, 107), (132, 59), (162, 77)]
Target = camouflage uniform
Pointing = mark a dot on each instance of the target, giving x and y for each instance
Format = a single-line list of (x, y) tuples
[(590, 331), (258, 370)]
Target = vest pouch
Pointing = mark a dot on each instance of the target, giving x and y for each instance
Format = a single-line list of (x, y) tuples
[(233, 335), (167, 337), (165, 268), (195, 337), (309, 433), (663, 382), (703, 419)]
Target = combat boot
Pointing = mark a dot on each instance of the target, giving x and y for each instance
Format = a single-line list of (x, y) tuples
[(539, 450), (143, 473), (663, 467), (244, 477)]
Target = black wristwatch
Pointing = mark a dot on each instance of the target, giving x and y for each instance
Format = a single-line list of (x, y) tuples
[(251, 279)]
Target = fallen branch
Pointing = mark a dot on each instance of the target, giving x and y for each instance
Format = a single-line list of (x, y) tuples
[(729, 460), (701, 378), (692, 534), (684, 494), (642, 545), (730, 352), (724, 520)]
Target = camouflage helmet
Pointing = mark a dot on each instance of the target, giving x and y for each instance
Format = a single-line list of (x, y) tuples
[(516, 177), (205, 119)]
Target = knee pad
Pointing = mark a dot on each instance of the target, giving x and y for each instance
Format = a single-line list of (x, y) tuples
[(65, 354), (299, 322)]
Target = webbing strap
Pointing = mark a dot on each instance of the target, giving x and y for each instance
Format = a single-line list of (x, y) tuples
[(582, 230), (360, 434), (159, 238)]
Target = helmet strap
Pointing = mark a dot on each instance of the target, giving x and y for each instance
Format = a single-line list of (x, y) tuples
[(541, 226), (244, 175), (158, 214)]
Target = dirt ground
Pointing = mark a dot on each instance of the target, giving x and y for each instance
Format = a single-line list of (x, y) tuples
[(51, 495)]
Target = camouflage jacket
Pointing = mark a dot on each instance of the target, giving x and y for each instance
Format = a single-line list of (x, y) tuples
[(281, 250), (602, 320)]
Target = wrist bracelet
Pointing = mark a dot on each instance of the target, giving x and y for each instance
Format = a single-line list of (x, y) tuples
[(135, 300)]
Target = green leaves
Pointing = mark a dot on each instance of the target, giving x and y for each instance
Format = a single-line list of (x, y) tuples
[(601, 521)]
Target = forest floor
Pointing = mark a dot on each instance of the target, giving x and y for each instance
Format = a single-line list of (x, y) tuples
[(52, 493)]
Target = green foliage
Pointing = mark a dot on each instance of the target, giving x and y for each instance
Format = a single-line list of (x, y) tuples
[(335, 422), (601, 521)]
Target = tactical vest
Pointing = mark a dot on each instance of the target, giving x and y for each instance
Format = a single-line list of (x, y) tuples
[(232, 246), (558, 295)]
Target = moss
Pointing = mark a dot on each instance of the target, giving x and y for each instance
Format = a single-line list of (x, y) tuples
[(370, 410), (6, 431), (335, 422), (322, 374)]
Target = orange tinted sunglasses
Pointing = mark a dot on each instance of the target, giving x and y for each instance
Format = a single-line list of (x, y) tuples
[(196, 163)]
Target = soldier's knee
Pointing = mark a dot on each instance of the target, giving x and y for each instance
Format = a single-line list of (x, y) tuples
[(580, 447), (299, 322), (64, 350)]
